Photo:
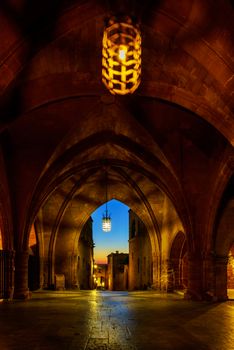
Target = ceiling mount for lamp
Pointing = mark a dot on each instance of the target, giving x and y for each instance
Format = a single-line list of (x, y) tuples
[(121, 56)]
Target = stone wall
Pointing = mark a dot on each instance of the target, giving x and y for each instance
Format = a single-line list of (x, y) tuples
[(140, 255)]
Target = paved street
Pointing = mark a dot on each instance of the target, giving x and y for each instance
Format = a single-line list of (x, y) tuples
[(115, 320)]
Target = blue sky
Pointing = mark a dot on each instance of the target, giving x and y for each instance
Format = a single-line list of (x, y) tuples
[(117, 238)]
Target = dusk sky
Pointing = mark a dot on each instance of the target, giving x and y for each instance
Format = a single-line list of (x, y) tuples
[(117, 238)]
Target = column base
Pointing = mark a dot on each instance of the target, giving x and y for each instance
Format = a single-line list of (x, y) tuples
[(9, 294), (220, 298), (193, 295), (23, 295)]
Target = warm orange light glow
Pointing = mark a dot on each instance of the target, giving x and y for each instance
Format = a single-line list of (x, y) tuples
[(121, 56), (32, 237), (101, 260)]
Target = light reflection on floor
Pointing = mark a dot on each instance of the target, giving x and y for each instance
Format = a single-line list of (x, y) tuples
[(115, 320)]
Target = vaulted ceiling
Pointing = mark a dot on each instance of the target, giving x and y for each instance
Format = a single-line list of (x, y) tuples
[(61, 129)]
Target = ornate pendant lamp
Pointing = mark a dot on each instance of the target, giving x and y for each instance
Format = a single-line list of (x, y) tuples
[(106, 219), (121, 56)]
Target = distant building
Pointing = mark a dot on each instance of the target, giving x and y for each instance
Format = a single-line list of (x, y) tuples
[(117, 272), (140, 254), (100, 276)]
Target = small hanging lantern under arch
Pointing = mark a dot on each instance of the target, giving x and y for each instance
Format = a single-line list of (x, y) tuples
[(106, 218), (121, 56), (106, 222)]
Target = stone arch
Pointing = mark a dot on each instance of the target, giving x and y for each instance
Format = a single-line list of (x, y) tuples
[(55, 174), (145, 153), (74, 234), (67, 201), (87, 170), (143, 156)]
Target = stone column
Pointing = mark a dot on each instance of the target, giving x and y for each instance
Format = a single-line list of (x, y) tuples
[(170, 277), (45, 270), (74, 281), (42, 275), (194, 290), (7, 267), (167, 276), (208, 275), (21, 275), (220, 271), (156, 283)]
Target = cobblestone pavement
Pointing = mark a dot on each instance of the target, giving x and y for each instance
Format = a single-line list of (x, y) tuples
[(88, 320)]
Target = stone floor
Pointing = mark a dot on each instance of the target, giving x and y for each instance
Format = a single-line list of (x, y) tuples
[(115, 320)]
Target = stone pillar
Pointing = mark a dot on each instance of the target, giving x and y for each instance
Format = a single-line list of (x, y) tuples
[(46, 280), (42, 275), (156, 282), (220, 272), (170, 276), (21, 275), (194, 290), (167, 276), (176, 277), (132, 272), (74, 262), (7, 267), (208, 275)]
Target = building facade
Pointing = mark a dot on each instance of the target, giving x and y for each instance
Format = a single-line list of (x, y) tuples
[(140, 255), (117, 271), (100, 276)]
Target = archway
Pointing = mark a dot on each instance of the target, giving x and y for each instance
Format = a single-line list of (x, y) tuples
[(111, 249), (128, 250), (64, 215)]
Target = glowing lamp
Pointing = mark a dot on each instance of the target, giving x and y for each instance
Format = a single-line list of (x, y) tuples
[(121, 56), (106, 218), (106, 222)]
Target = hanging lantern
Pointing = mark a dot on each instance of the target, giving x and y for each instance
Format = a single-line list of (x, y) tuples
[(106, 222), (106, 219), (121, 56)]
